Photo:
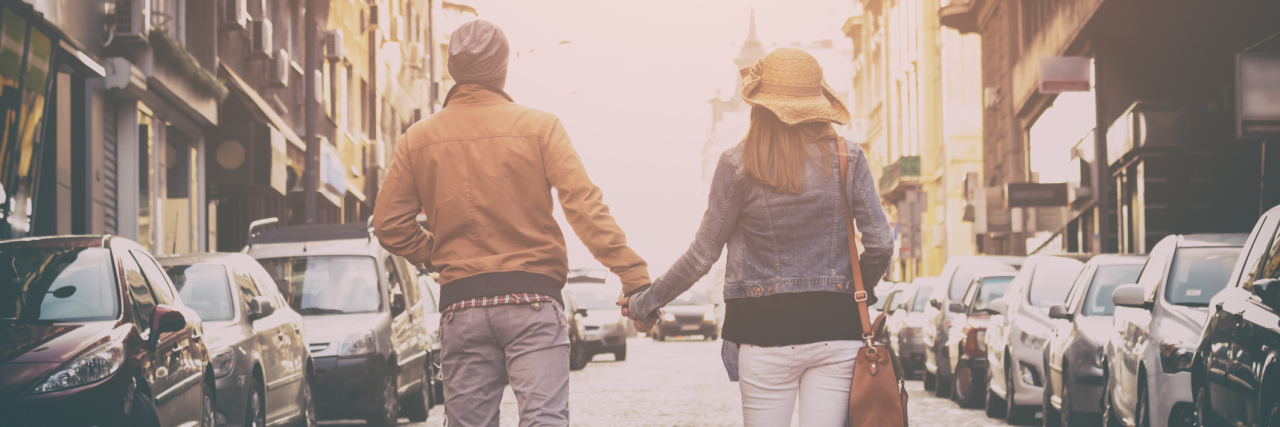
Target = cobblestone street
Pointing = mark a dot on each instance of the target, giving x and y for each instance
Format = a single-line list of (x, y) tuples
[(682, 383)]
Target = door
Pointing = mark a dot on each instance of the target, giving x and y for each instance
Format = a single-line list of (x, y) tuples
[(1255, 337), (402, 326), (268, 338), (291, 346), (177, 358)]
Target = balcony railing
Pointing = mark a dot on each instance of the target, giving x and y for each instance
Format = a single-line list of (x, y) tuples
[(903, 172)]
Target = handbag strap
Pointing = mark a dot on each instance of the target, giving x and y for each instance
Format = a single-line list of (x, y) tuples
[(860, 291)]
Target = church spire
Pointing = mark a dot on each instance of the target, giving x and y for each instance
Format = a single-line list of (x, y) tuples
[(752, 49), (751, 33)]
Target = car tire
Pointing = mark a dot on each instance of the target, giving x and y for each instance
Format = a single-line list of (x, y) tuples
[(1016, 414), (255, 409), (930, 380), (1109, 417), (964, 390), (307, 402), (943, 386), (578, 357), (389, 413), (208, 404), (143, 413), (1143, 416), (621, 355), (418, 405)]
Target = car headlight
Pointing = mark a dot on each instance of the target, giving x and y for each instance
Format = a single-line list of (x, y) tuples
[(1100, 356), (224, 361), (1034, 342), (96, 365), (709, 316), (668, 317), (358, 344), (1176, 356)]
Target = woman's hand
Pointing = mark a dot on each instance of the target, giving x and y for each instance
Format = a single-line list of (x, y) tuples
[(640, 325)]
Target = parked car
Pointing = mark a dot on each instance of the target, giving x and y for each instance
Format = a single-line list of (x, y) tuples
[(364, 317), (1159, 321), (967, 347), (430, 290), (1073, 358), (691, 313), (578, 353), (606, 329), (956, 275), (93, 333), (1016, 338), (906, 325), (882, 291), (254, 338), (1236, 371)]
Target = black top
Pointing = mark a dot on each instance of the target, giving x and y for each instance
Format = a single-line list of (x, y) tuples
[(791, 319)]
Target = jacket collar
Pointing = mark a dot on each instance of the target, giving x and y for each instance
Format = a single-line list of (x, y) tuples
[(471, 93)]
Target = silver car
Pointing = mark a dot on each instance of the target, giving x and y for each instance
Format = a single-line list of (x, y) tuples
[(1016, 338), (1074, 356), (956, 276), (605, 328), (906, 324), (1159, 322)]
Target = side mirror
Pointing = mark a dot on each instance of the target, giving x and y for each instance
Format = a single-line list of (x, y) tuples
[(957, 307), (935, 304), (998, 306), (1059, 311), (260, 307), (165, 319), (398, 304), (1267, 290), (581, 312), (1130, 296)]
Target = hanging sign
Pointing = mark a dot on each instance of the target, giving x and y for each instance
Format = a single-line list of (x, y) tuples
[(1065, 74)]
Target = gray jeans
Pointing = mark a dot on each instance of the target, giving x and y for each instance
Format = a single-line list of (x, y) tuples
[(484, 349)]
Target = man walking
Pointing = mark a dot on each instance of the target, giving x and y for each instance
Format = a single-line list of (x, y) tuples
[(482, 170)]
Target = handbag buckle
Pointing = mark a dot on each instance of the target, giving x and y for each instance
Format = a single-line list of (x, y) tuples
[(860, 296)]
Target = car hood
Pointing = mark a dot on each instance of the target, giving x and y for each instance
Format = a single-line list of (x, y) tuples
[(687, 310), (1181, 324), (52, 343), (601, 317), (332, 328)]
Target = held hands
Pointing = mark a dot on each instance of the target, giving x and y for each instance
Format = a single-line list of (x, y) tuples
[(641, 326)]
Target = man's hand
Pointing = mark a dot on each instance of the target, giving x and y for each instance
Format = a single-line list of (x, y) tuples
[(640, 326)]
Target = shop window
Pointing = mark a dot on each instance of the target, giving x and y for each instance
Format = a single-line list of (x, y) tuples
[(25, 58), (146, 212), (181, 194)]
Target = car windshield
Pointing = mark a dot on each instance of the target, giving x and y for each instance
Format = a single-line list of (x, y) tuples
[(1198, 274), (1052, 281), (327, 284), (64, 285), (691, 298), (921, 300), (1105, 281), (204, 288), (989, 290), (595, 297), (965, 273)]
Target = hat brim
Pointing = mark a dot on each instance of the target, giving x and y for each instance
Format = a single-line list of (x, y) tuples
[(792, 109)]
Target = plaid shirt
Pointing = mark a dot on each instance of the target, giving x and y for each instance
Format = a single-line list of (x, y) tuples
[(508, 299)]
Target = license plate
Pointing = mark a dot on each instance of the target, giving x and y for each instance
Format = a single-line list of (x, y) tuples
[(690, 327)]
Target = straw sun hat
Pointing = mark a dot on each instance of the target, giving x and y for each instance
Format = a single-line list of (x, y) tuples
[(789, 83)]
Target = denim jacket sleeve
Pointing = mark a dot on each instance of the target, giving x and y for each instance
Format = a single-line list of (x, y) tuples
[(869, 218), (718, 222)]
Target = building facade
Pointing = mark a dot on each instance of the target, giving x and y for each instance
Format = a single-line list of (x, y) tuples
[(1153, 149)]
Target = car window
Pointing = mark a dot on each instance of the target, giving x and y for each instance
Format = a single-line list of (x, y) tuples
[(144, 303), (267, 285), (964, 275), (990, 289), (921, 300), (394, 284), (159, 281), (1263, 261), (328, 284), (428, 298), (1052, 280), (596, 297), (245, 284), (968, 293), (204, 288), (57, 285), (1155, 267), (1198, 274), (1105, 281), (411, 292), (1078, 287)]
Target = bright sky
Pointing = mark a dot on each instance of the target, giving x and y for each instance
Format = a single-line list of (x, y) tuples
[(632, 86)]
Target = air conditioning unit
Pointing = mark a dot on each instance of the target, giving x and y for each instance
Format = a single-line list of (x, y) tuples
[(235, 15), (395, 28), (133, 19), (278, 75), (333, 45), (260, 39)]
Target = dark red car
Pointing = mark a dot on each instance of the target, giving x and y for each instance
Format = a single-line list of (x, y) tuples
[(93, 333)]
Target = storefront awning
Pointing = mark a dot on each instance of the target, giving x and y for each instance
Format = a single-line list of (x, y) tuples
[(260, 107)]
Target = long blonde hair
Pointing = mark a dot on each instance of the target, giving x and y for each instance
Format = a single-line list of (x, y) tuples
[(774, 152)]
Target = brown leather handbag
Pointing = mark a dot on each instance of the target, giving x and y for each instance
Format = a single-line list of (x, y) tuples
[(878, 395)]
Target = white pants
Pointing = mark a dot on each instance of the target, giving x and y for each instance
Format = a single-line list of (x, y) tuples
[(819, 374)]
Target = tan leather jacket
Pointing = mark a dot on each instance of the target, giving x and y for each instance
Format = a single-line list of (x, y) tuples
[(482, 170)]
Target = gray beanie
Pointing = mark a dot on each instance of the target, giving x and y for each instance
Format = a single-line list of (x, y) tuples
[(478, 54)]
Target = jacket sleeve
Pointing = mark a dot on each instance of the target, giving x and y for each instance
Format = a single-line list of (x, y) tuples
[(396, 211), (718, 223), (584, 208), (869, 218)]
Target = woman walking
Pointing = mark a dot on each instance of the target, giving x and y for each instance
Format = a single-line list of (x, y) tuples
[(777, 200)]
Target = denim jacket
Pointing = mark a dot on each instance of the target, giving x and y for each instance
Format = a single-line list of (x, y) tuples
[(780, 242)]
